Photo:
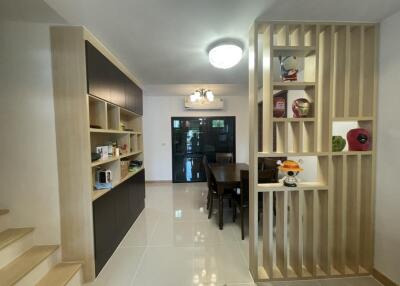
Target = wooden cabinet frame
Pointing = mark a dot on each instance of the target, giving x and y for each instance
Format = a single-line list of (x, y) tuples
[(75, 110)]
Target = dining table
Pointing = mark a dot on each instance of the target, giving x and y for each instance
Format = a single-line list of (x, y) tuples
[(227, 176)]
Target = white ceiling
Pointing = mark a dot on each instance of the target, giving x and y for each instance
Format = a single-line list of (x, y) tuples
[(165, 41)]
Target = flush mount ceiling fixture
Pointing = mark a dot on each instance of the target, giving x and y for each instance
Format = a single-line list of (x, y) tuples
[(224, 55)]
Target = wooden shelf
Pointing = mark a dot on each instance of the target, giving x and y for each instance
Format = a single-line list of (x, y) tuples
[(104, 161), (288, 154), (98, 193), (111, 131), (278, 187), (292, 51), (130, 154), (111, 159), (304, 119), (293, 85), (352, 153), (362, 118)]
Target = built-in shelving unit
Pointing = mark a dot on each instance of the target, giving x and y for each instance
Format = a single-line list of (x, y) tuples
[(129, 134), (323, 227), (97, 102)]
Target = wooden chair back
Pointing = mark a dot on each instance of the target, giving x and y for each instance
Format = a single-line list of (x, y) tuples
[(208, 173), (224, 158), (244, 187)]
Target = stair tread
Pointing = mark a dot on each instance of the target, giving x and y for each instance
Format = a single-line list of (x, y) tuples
[(60, 275), (4, 211), (13, 234), (22, 265)]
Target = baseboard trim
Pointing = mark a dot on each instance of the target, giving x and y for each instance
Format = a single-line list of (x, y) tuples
[(158, 181), (382, 278)]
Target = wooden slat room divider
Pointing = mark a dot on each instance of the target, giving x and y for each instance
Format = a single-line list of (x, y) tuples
[(324, 227)]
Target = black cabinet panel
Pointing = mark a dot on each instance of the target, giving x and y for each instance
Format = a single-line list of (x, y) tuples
[(106, 81), (97, 69), (105, 228), (133, 97), (113, 215), (117, 91)]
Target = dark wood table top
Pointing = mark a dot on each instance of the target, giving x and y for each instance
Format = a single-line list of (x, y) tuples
[(227, 173)]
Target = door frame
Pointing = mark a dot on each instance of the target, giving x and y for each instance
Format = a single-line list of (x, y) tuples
[(196, 117)]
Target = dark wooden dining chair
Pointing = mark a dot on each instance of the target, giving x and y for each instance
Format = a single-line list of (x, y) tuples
[(212, 188), (241, 199), (224, 158)]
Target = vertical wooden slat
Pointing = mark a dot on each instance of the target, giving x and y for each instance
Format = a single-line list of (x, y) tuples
[(354, 70), (338, 194), (308, 232), (295, 233), (352, 213), (286, 132), (268, 229), (253, 174), (347, 72), (267, 89), (300, 139), (362, 67), (343, 210), (323, 233), (366, 213), (281, 231)]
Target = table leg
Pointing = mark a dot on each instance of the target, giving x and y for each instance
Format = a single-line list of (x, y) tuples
[(221, 206)]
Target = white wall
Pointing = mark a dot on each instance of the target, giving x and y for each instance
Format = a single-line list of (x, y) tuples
[(28, 169), (387, 226), (158, 110)]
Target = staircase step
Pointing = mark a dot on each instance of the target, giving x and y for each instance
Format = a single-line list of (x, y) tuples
[(60, 275), (13, 234), (3, 211), (21, 266)]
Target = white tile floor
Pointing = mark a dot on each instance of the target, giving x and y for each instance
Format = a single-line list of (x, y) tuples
[(173, 243)]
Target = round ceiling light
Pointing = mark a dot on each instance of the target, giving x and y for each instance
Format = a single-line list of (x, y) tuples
[(225, 56)]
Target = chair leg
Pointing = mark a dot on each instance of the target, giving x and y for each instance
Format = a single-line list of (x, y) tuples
[(208, 200), (234, 211), (230, 203), (210, 208), (242, 221)]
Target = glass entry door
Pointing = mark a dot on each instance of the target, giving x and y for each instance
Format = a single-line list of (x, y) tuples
[(194, 137)]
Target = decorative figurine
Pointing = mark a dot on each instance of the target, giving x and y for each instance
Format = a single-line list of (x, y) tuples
[(301, 107), (292, 169), (359, 139), (280, 104), (289, 68), (338, 143)]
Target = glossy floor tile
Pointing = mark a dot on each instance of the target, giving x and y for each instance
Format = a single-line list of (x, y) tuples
[(173, 243)]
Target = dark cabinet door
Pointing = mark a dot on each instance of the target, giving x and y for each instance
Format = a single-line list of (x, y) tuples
[(107, 82), (130, 95), (117, 91), (139, 102), (105, 228), (113, 215), (97, 69), (123, 209), (133, 95)]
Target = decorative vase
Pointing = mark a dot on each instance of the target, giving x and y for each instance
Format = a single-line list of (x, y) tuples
[(338, 143), (301, 107), (359, 139)]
